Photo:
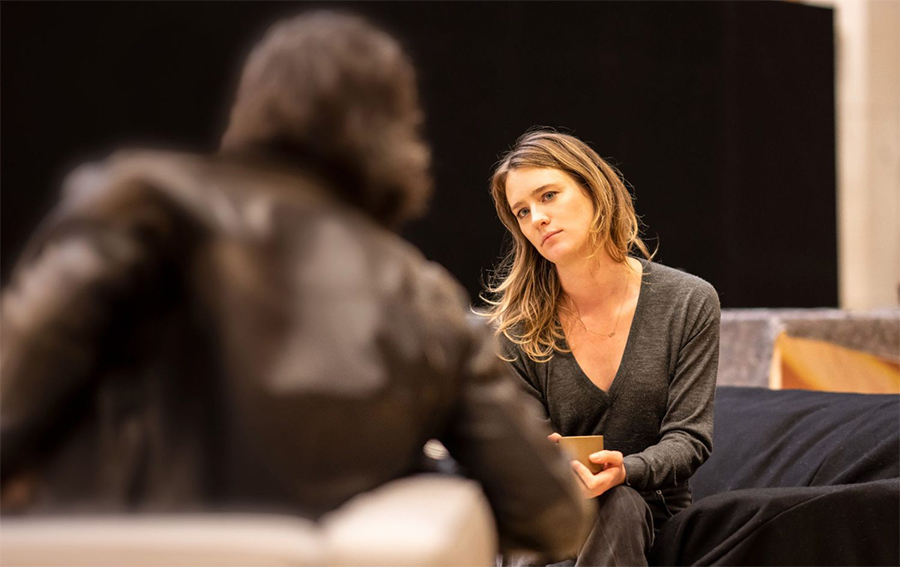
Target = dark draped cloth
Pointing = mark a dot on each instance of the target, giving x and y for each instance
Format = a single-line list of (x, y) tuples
[(795, 478)]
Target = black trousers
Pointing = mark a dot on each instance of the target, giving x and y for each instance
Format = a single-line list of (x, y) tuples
[(625, 528), (626, 525), (623, 531)]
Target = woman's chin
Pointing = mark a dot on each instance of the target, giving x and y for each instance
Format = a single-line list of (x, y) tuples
[(563, 256), (555, 256)]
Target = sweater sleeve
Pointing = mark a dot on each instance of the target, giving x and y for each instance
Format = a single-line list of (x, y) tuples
[(686, 430), (524, 370)]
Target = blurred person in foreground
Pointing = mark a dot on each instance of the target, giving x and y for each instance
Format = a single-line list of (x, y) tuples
[(246, 331)]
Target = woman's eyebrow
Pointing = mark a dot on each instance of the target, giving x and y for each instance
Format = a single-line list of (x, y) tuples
[(533, 192)]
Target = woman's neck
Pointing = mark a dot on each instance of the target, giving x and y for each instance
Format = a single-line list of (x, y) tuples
[(594, 282)]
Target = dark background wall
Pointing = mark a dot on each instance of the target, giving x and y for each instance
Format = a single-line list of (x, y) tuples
[(720, 115)]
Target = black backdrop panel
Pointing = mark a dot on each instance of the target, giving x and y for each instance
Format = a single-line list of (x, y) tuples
[(720, 115)]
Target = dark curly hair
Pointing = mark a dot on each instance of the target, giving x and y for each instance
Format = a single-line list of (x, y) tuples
[(334, 92)]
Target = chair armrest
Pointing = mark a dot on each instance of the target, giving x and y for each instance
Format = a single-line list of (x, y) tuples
[(420, 520), (164, 540)]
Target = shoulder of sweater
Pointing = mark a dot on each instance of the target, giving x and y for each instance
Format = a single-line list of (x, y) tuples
[(676, 282), (507, 346), (513, 353)]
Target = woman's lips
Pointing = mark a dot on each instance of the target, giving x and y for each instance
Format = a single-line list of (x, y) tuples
[(549, 235)]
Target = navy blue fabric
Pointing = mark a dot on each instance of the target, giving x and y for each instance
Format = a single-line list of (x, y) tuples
[(849, 524), (767, 438), (795, 478)]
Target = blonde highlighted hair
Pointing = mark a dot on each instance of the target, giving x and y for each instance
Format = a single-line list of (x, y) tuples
[(524, 293)]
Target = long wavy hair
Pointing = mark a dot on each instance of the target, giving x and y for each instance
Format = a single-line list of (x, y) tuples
[(524, 294)]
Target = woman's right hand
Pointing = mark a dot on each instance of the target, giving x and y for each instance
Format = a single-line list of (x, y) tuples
[(554, 437)]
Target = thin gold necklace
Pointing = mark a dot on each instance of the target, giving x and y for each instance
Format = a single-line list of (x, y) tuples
[(618, 315)]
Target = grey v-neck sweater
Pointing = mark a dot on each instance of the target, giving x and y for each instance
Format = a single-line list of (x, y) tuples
[(659, 409)]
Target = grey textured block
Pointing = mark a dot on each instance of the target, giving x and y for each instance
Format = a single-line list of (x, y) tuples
[(748, 336)]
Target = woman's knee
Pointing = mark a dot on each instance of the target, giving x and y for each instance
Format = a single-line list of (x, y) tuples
[(625, 503), (623, 533), (621, 495)]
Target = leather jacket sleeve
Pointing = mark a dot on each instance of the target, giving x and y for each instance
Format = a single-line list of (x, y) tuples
[(61, 300), (501, 439)]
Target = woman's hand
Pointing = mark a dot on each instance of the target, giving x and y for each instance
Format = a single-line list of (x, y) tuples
[(593, 485), (613, 473)]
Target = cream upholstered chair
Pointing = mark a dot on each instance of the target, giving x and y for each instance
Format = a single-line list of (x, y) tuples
[(421, 520), (161, 540)]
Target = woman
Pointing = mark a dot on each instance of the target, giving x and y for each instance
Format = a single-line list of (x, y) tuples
[(611, 344)]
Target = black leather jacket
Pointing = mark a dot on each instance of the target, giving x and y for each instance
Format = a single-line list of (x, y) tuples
[(192, 333)]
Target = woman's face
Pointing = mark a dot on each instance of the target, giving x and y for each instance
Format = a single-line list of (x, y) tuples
[(553, 212)]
